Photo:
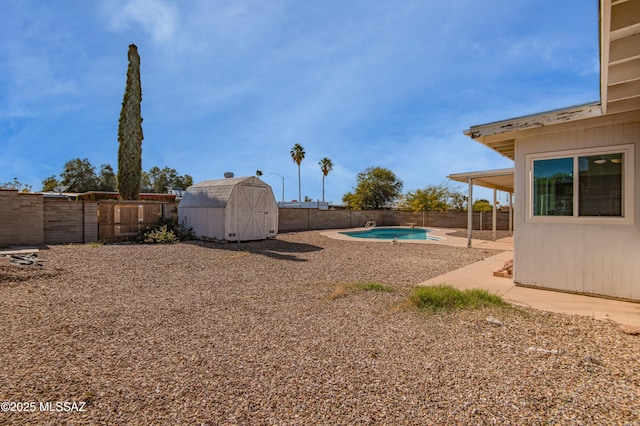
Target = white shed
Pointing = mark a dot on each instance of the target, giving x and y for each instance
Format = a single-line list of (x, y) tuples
[(233, 209)]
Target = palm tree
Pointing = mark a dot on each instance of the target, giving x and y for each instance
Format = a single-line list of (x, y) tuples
[(326, 166), (297, 154)]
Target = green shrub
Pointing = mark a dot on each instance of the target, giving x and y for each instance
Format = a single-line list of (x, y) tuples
[(373, 287), (166, 232), (160, 236), (447, 298)]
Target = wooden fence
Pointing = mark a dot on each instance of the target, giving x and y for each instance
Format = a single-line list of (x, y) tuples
[(121, 220)]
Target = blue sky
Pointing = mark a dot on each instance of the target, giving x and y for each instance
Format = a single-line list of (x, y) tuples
[(232, 85)]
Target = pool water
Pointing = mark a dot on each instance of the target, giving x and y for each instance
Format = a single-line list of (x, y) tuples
[(393, 233)]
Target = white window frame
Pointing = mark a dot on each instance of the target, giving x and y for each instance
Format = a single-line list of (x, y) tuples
[(628, 201)]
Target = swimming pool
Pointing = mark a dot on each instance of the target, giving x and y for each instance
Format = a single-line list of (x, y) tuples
[(393, 233)]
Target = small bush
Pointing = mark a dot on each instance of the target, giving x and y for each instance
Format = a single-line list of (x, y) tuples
[(166, 232), (160, 235), (447, 298), (373, 287)]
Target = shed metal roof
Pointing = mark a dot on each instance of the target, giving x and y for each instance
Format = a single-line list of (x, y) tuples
[(215, 193)]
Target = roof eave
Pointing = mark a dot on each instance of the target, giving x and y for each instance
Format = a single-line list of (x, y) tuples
[(498, 135)]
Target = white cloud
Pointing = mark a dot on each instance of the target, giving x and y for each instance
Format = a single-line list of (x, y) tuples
[(157, 17)]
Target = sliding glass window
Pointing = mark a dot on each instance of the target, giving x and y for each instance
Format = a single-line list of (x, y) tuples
[(600, 185), (589, 183), (553, 187)]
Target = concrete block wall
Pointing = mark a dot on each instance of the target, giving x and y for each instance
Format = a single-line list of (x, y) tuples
[(359, 218), (31, 219), (327, 219), (401, 218), (451, 219), (21, 216), (90, 222), (67, 221), (294, 219)]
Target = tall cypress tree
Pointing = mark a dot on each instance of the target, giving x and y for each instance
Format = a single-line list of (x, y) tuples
[(130, 132)]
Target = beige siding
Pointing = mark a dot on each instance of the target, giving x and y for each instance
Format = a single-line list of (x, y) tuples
[(602, 259)]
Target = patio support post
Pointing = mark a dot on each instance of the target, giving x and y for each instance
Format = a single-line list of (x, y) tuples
[(495, 215), (469, 212), (510, 213)]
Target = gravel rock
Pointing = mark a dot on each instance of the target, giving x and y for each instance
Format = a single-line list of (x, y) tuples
[(495, 321), (478, 235), (218, 334)]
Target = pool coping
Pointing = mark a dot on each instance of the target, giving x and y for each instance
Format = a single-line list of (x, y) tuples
[(446, 240)]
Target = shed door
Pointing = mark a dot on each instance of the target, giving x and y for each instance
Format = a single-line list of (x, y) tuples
[(252, 213)]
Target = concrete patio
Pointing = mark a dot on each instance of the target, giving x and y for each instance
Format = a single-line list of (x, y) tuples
[(480, 275)]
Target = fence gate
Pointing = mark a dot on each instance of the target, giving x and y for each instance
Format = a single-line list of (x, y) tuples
[(121, 220)]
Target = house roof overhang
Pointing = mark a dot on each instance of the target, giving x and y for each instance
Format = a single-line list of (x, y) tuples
[(500, 135), (620, 55), (619, 83), (500, 179)]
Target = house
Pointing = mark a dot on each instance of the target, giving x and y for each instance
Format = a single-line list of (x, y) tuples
[(577, 176), (230, 209)]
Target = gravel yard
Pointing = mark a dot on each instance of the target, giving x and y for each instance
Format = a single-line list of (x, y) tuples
[(478, 235), (212, 334)]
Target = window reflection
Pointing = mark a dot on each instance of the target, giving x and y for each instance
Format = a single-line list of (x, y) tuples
[(553, 187), (600, 185)]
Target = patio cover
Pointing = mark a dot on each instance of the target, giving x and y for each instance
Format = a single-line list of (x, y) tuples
[(498, 180), (501, 179)]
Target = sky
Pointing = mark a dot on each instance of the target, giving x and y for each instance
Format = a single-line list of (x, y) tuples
[(231, 86)]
